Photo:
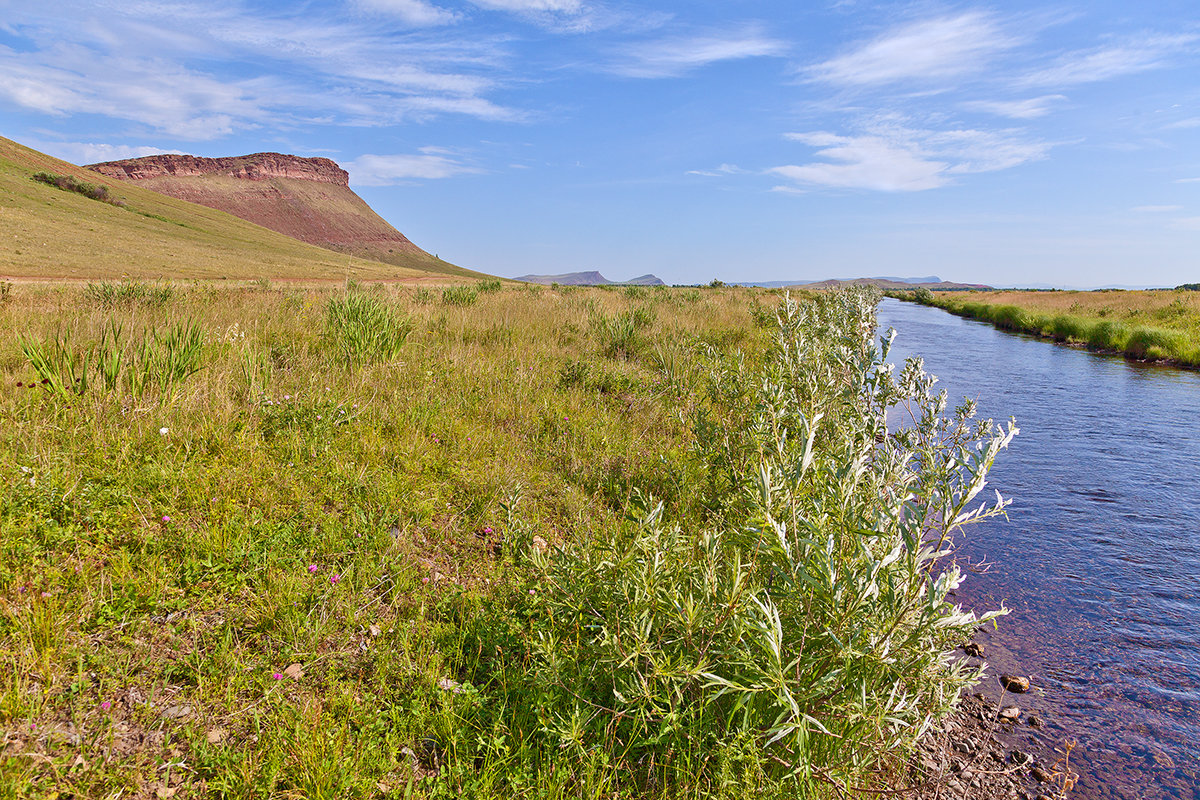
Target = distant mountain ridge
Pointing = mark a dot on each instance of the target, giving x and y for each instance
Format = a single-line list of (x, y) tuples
[(309, 199), (928, 279), (592, 278)]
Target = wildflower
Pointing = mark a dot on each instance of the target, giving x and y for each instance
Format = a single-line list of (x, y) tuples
[(312, 568), (163, 431), (166, 519), (278, 676), (532, 592), (487, 529), (425, 579), (105, 706), (334, 578), (287, 397)]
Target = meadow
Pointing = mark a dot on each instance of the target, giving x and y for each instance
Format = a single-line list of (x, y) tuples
[(1158, 325), (477, 540)]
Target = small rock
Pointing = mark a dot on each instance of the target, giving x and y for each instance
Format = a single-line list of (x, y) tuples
[(375, 630), (1010, 714), (539, 544), (1035, 722), (974, 649), (295, 672), (1019, 758), (164, 792), (1015, 683), (1039, 774), (177, 712), (216, 736), (451, 686)]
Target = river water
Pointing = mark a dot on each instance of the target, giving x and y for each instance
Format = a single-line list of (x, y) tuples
[(1099, 559)]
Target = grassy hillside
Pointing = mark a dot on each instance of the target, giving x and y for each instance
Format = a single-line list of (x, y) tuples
[(50, 233), (1159, 325), (398, 542)]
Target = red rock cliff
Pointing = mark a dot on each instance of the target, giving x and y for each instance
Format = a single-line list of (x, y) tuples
[(255, 167)]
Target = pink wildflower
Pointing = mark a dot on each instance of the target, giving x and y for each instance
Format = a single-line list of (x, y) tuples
[(166, 518), (278, 676), (334, 578), (105, 706), (312, 568)]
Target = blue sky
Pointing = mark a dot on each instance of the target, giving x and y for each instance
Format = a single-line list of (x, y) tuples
[(1010, 143)]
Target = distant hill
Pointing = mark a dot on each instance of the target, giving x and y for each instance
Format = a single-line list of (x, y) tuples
[(889, 283), (309, 199), (928, 279), (51, 233), (592, 278)]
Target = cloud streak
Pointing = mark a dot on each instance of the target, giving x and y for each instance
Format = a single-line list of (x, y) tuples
[(430, 163), (669, 58), (1135, 55), (899, 159), (928, 50)]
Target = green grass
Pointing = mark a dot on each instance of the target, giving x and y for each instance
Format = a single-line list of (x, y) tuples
[(364, 544), (1160, 325)]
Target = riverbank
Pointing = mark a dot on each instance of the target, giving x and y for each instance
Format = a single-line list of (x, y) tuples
[(1159, 326)]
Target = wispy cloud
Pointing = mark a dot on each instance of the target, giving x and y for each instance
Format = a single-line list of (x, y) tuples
[(1136, 54), (205, 71), (668, 58), (532, 6), (429, 163), (724, 169), (893, 158), (1186, 224), (933, 49), (413, 12), (1155, 209), (1031, 108)]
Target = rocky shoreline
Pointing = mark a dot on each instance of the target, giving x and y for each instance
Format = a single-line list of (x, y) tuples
[(993, 749)]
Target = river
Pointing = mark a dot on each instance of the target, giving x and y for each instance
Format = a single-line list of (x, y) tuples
[(1099, 559)]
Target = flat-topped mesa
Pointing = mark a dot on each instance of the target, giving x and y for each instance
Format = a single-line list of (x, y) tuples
[(254, 167)]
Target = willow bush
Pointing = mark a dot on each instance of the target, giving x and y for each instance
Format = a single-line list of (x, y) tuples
[(806, 630)]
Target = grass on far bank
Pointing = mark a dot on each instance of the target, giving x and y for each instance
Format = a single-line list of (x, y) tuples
[(391, 542), (1156, 325)]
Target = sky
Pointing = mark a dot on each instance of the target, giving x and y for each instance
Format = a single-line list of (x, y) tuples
[(1011, 143)]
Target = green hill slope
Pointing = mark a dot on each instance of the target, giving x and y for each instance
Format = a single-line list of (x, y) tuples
[(46, 232)]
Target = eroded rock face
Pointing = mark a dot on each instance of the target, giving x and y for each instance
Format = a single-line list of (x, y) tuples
[(255, 167)]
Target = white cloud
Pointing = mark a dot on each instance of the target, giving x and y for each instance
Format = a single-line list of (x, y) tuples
[(432, 163), (892, 158), (1155, 209), (413, 12), (724, 169), (940, 48), (1186, 224), (865, 162), (1032, 108), (1187, 180), (668, 58), (95, 152), (1135, 55)]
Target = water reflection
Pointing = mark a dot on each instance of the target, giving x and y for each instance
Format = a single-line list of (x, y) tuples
[(1100, 558)]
